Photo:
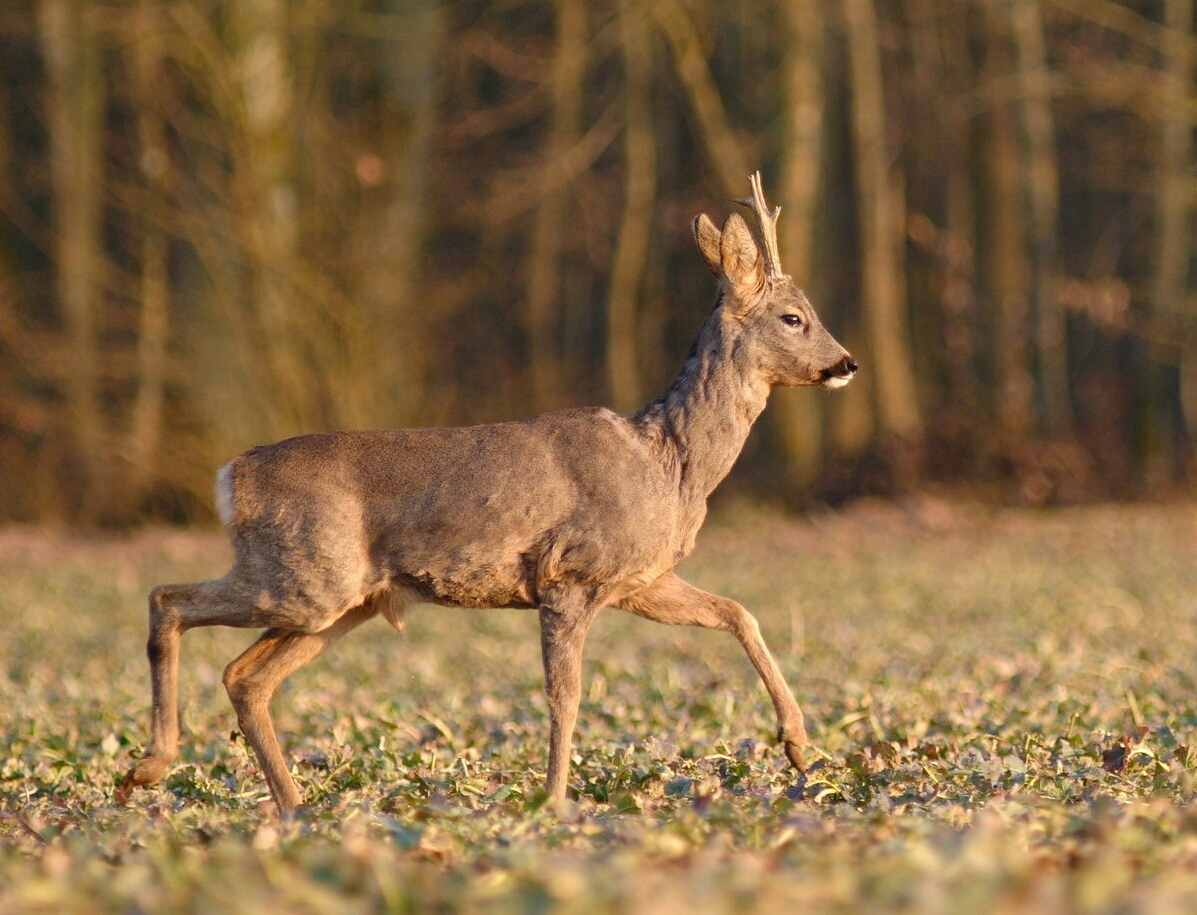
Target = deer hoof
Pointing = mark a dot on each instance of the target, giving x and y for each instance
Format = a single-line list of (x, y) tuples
[(148, 771), (794, 755)]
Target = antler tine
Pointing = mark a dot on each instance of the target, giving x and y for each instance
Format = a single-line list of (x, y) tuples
[(768, 222)]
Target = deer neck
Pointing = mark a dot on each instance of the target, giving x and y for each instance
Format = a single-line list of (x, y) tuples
[(704, 418)]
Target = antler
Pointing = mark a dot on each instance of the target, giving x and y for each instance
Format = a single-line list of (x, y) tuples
[(768, 221)]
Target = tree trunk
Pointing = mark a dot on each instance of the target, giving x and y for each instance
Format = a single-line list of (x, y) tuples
[(941, 205), (797, 416), (398, 217), (285, 384), (550, 224), (145, 435), (640, 191), (1041, 194), (1007, 254), (1174, 207), (75, 103), (882, 236)]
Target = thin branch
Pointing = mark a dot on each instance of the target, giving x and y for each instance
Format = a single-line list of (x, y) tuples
[(691, 63), (1115, 17), (529, 186)]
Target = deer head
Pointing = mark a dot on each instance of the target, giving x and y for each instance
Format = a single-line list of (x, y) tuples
[(787, 343)]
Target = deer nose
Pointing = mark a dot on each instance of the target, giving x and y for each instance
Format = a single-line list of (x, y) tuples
[(845, 368)]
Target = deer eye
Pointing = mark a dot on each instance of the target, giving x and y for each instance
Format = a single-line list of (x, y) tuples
[(792, 320)]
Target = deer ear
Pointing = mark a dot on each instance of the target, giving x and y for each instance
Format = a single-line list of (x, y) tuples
[(707, 237), (739, 256)]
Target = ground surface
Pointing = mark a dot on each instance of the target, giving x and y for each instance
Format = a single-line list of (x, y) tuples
[(1002, 707)]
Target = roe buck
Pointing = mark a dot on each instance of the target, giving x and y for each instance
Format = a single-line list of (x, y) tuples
[(568, 512)]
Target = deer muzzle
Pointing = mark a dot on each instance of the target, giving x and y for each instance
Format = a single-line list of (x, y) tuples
[(839, 374)]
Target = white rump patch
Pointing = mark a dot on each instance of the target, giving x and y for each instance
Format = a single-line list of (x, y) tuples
[(224, 494)]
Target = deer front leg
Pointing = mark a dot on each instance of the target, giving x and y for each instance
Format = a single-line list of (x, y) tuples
[(675, 602), (563, 627)]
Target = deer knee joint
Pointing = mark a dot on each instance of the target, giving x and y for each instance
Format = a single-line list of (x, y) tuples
[(238, 686), (162, 612), (741, 622), (164, 623)]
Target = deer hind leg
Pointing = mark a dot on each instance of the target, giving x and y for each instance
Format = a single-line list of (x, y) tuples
[(672, 601), (252, 678), (564, 624), (173, 610)]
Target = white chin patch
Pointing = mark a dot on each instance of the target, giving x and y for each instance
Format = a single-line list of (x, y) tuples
[(838, 381)]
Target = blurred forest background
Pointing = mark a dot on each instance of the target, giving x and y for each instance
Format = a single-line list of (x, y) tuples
[(226, 221)]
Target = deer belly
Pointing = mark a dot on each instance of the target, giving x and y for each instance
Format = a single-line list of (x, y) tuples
[(476, 586)]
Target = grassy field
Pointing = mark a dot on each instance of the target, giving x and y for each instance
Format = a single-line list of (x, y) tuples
[(1002, 707)]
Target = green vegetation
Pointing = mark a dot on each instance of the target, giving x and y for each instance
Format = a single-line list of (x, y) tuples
[(1002, 707)]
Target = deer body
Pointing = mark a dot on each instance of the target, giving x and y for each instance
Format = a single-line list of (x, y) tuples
[(357, 506), (567, 512)]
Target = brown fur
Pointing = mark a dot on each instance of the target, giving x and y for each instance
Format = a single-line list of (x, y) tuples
[(567, 512)]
